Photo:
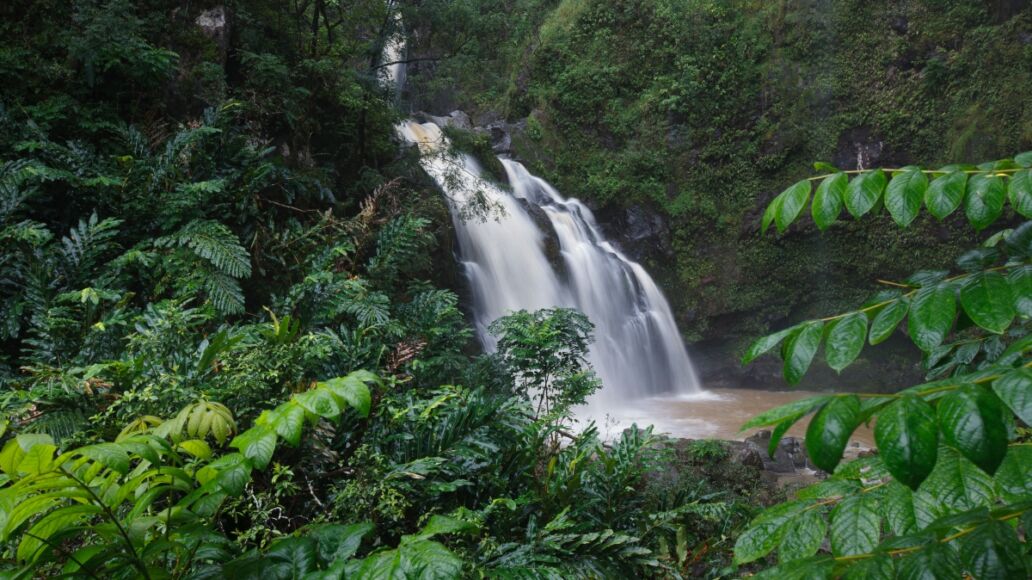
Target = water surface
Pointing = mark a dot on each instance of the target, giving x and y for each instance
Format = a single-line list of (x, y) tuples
[(710, 414)]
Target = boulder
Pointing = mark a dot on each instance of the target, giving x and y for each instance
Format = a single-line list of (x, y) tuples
[(789, 457), (455, 119)]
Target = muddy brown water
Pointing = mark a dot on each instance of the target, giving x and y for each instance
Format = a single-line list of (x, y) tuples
[(711, 414)]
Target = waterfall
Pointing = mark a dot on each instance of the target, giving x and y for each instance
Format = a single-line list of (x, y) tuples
[(638, 351), (393, 75)]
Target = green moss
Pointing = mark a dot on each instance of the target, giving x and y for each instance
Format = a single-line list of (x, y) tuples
[(707, 109), (479, 146)]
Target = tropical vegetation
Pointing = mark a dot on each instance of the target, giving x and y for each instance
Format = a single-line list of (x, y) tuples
[(232, 335), (948, 491)]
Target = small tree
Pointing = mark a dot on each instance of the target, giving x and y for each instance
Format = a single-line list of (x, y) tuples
[(545, 353)]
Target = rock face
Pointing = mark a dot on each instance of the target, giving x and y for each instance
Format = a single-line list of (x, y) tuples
[(790, 456), (790, 467), (455, 119), (215, 25), (639, 231)]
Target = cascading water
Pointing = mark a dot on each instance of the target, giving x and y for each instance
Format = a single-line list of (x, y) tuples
[(638, 350)]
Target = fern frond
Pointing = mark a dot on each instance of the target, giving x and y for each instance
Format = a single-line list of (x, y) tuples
[(214, 242), (402, 246), (135, 141), (59, 423), (82, 248), (13, 192), (223, 291), (28, 232)]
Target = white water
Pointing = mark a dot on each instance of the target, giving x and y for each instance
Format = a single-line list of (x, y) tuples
[(393, 75), (638, 351)]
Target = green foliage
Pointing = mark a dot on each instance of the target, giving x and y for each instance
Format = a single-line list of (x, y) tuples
[(946, 476), (987, 296), (143, 483), (693, 112), (981, 190), (545, 353)]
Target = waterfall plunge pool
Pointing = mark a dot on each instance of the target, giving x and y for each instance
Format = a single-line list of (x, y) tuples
[(709, 414)]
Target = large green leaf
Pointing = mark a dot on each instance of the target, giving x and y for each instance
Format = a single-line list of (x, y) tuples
[(1020, 280), (855, 525), (338, 541), (936, 561), (257, 444), (945, 194), (956, 484), (830, 429), (992, 551), (33, 543), (988, 301), (1015, 389), (1014, 477), (779, 414), (792, 203), (931, 315), (803, 537), (827, 201), (800, 349), (770, 213), (1019, 241), (1024, 159), (764, 344), (352, 390), (971, 419), (904, 195), (231, 473), (845, 340), (1019, 192), (291, 557), (422, 559), (767, 529), (984, 201), (887, 319), (110, 455), (878, 567), (288, 420), (898, 507), (864, 191), (319, 401), (908, 439)]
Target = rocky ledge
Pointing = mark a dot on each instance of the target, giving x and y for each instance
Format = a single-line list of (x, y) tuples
[(789, 468)]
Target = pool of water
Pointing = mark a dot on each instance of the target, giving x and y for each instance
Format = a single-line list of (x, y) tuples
[(710, 414)]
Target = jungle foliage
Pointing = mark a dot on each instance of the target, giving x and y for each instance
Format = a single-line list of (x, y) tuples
[(694, 113), (947, 494), (227, 345)]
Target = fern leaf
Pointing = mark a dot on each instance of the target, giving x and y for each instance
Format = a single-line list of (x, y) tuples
[(215, 242)]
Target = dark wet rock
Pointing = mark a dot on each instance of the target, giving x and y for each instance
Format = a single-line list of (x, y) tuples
[(789, 456), (501, 140), (638, 230), (899, 24), (550, 240), (859, 148)]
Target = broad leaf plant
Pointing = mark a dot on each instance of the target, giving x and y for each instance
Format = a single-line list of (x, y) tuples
[(949, 491)]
